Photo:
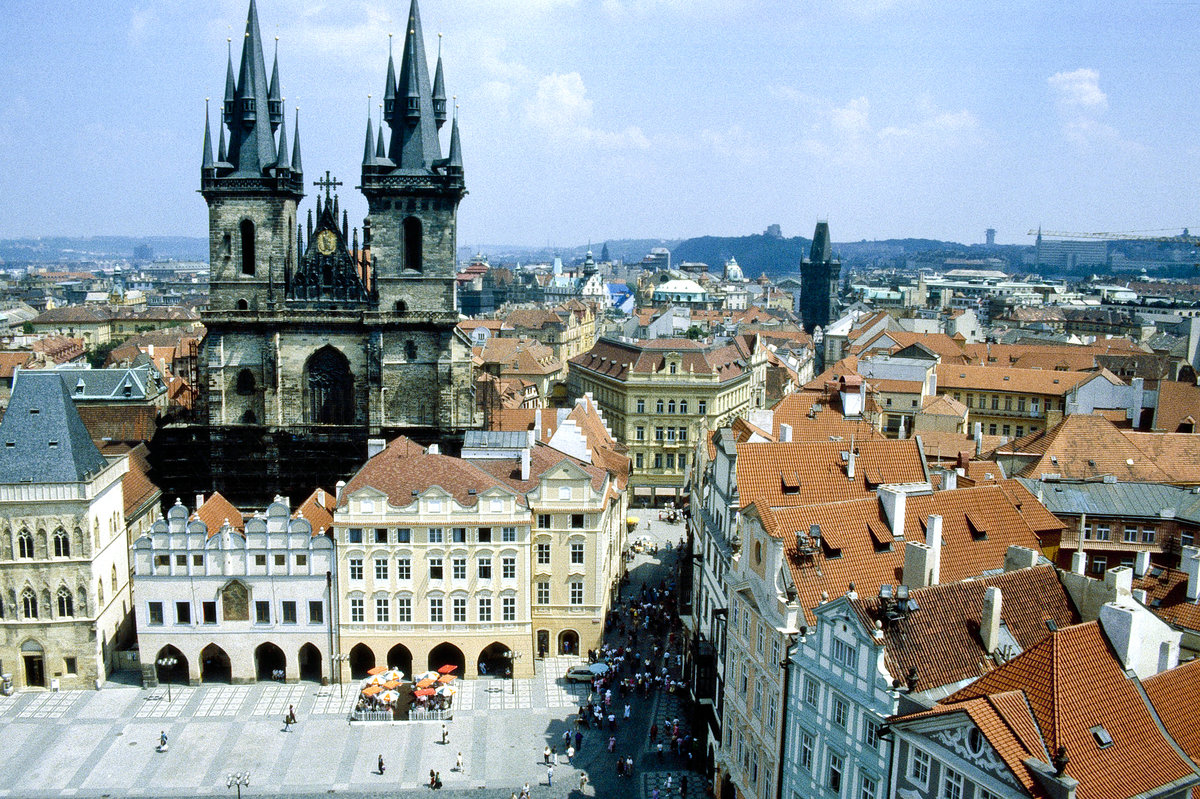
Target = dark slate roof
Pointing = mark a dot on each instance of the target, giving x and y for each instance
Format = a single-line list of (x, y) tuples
[(1143, 500), (143, 382), (43, 439), (822, 246)]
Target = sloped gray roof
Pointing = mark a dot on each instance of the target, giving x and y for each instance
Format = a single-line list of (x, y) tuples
[(1144, 500), (143, 382), (42, 439)]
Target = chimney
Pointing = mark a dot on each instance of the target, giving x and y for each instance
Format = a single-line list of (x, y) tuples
[(537, 424), (524, 464), (850, 461), (933, 537), (894, 501), (337, 489), (949, 479), (785, 433), (1189, 562), (434, 449), (1119, 582), (979, 439), (199, 501), (918, 565), (375, 446), (1141, 563), (1020, 558), (1079, 562), (989, 621), (321, 497)]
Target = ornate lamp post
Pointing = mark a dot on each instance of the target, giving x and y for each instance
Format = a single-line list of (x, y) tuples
[(239, 779), (168, 665), (339, 659), (513, 657)]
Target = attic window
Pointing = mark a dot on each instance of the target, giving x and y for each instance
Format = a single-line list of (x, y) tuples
[(10, 444), (54, 443), (1103, 739), (1006, 377), (791, 482), (34, 411), (977, 527)]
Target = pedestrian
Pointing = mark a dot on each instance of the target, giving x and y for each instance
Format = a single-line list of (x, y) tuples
[(654, 794), (525, 791), (660, 750), (546, 755), (626, 710), (570, 754), (669, 776), (567, 738), (437, 781), (578, 740), (583, 781), (458, 764), (653, 732), (612, 742), (432, 778), (162, 741), (514, 795), (550, 775), (629, 765), (683, 785), (445, 734), (381, 765)]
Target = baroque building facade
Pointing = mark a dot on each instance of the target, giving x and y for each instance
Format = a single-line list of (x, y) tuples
[(312, 334)]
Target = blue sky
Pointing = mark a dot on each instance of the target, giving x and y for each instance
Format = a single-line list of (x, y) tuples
[(595, 119)]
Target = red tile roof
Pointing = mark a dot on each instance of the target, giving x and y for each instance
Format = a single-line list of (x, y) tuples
[(217, 510), (1175, 695), (1166, 596), (318, 510)]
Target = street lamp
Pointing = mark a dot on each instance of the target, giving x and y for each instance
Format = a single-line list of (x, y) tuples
[(168, 665), (339, 659), (239, 779), (513, 657)]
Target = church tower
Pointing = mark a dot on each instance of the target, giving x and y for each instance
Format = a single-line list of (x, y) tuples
[(252, 187), (819, 274)]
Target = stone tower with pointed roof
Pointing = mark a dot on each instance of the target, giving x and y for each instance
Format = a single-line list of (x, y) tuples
[(312, 336), (819, 275)]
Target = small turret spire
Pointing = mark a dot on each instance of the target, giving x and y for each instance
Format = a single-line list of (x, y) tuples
[(274, 101), (380, 147), (454, 162), (283, 161), (297, 168), (222, 156), (207, 161), (439, 90), (369, 148), (230, 86), (389, 91)]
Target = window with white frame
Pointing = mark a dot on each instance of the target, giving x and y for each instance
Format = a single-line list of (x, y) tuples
[(576, 592), (869, 788), (436, 610), (806, 752), (812, 692), (543, 553), (436, 534), (508, 534), (576, 554), (356, 610), (404, 609), (483, 565), (436, 572), (458, 568), (458, 610), (761, 639), (508, 568), (841, 711), (1131, 534), (485, 608), (758, 698), (356, 568), (508, 608), (952, 784), (845, 653), (543, 592), (1147, 535), (833, 778), (918, 767), (403, 568), (382, 606), (381, 568), (871, 732)]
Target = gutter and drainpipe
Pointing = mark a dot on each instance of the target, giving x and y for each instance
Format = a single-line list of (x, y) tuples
[(786, 665)]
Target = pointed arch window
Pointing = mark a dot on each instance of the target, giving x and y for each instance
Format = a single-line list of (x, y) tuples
[(410, 350), (246, 229), (66, 605), (29, 604), (114, 579), (413, 244), (245, 382), (24, 544), (62, 544)]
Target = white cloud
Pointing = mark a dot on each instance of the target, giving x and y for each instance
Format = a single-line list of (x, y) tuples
[(1078, 89), (141, 25), (852, 119), (562, 110)]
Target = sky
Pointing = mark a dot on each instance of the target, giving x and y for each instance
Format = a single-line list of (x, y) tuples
[(587, 120)]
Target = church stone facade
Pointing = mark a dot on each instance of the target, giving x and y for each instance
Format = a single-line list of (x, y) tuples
[(312, 334)]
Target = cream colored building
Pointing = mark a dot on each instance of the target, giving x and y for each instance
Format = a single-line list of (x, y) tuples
[(64, 560), (660, 395)]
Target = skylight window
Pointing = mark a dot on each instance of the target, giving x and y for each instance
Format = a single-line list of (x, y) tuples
[(1103, 739)]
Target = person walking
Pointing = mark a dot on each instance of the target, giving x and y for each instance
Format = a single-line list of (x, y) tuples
[(546, 755), (381, 765), (683, 785), (583, 781), (458, 764), (626, 710), (578, 740), (549, 775), (445, 734), (570, 754)]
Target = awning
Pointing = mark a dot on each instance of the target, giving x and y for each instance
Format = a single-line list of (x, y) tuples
[(642, 491), (664, 491)]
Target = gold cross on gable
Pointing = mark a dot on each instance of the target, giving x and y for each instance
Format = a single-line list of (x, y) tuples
[(327, 183)]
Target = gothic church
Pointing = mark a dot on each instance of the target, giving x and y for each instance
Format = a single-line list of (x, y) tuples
[(311, 332)]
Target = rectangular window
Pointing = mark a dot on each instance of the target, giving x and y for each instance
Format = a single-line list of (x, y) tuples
[(484, 535), (301, 560), (260, 560), (992, 429), (458, 535), (458, 609), (356, 610), (198, 561), (508, 568), (382, 608), (952, 784), (1020, 430), (845, 653), (640, 433), (1147, 535), (403, 568), (1020, 403), (758, 698), (508, 535), (670, 460), (834, 779), (381, 535), (641, 406), (1103, 532), (543, 521), (658, 434), (806, 752), (458, 568), (871, 732), (869, 789), (812, 692), (262, 612), (995, 402), (403, 535), (543, 554), (183, 613), (436, 535), (381, 568), (485, 608), (69, 665), (702, 407), (316, 612), (484, 567), (181, 560), (841, 711), (435, 569), (576, 592), (670, 434), (435, 610), (508, 608), (1007, 429), (354, 535), (577, 554), (289, 611), (918, 767), (639, 461), (356, 568), (683, 434), (658, 460), (404, 610), (1130, 536), (209, 611), (577, 520), (543, 593)]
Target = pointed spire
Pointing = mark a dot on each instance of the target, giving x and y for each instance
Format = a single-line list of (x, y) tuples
[(455, 161), (389, 91), (369, 149), (227, 109), (380, 147), (207, 162), (222, 156), (274, 102), (439, 90), (283, 162), (414, 145), (297, 168), (251, 144)]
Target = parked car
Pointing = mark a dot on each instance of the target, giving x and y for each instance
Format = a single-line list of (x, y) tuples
[(580, 674)]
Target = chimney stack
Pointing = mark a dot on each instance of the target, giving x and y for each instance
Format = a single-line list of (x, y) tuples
[(850, 461), (375, 446), (785, 433), (524, 464), (1189, 562), (894, 500), (918, 564), (338, 489), (199, 501), (933, 537), (434, 449), (979, 439), (1079, 562), (1019, 558), (1141, 563), (949, 479), (989, 622)]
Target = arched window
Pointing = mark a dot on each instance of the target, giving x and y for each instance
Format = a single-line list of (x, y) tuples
[(82, 603), (247, 232), (100, 594), (683, 406), (242, 305), (329, 385), (62, 544), (24, 544), (658, 407), (413, 245), (245, 382), (671, 406), (410, 350), (29, 603), (65, 604), (114, 579), (673, 368), (401, 306)]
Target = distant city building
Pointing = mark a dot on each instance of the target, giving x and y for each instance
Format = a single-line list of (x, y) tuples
[(819, 275), (990, 237)]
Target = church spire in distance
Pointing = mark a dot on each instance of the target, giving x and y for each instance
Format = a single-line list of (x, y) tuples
[(297, 167), (207, 159), (439, 90), (414, 145), (251, 134)]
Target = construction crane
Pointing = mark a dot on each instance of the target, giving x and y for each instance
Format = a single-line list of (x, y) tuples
[(1140, 235)]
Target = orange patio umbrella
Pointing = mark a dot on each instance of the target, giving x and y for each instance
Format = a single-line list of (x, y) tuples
[(377, 670), (425, 683), (391, 685), (449, 667), (371, 690), (447, 678), (424, 692)]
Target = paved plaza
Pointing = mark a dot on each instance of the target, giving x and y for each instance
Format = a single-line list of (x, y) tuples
[(103, 743)]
